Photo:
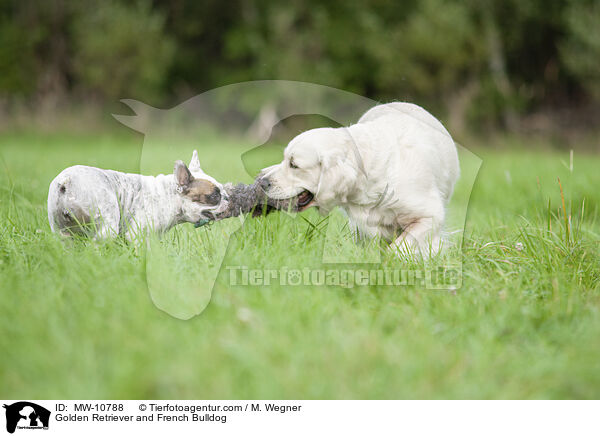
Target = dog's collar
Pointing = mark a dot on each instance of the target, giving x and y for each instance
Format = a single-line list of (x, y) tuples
[(201, 223)]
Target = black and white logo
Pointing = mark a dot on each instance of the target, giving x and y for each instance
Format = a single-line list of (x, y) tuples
[(26, 415)]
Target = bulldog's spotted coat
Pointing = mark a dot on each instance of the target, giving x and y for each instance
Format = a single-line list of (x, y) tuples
[(105, 203)]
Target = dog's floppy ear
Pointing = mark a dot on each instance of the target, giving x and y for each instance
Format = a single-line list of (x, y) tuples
[(338, 177), (195, 163), (183, 177)]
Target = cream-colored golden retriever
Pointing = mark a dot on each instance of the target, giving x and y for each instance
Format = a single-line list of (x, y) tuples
[(393, 174)]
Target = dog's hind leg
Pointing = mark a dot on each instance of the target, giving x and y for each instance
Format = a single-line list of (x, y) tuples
[(421, 236), (107, 224)]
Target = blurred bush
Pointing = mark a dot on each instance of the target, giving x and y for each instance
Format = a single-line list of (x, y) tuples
[(481, 62), (580, 50), (121, 49)]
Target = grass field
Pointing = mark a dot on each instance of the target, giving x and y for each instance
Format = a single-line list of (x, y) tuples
[(77, 320)]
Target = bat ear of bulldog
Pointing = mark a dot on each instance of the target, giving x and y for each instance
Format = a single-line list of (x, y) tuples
[(195, 163), (183, 177)]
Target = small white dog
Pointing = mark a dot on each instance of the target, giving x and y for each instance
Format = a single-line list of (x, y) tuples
[(105, 203), (393, 173)]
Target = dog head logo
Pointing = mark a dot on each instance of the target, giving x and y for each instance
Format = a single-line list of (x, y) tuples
[(245, 118), (26, 415)]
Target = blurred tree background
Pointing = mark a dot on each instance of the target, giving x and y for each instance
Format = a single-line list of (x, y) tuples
[(479, 64)]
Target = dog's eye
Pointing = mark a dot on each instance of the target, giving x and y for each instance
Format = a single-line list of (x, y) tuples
[(292, 164)]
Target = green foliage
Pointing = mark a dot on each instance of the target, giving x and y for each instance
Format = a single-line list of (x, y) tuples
[(16, 58), (295, 40), (479, 61), (120, 50), (581, 48), (109, 50), (436, 50), (32, 49)]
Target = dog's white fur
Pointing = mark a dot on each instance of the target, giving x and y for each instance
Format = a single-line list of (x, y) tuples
[(105, 203), (393, 173)]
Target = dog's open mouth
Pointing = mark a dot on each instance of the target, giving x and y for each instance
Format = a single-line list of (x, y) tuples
[(207, 214), (212, 213), (304, 199)]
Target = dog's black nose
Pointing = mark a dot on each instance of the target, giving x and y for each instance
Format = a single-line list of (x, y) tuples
[(264, 183), (214, 197)]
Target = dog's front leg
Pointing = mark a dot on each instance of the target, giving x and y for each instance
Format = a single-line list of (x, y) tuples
[(107, 226), (106, 232)]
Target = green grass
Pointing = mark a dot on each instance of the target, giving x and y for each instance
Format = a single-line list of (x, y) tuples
[(78, 321)]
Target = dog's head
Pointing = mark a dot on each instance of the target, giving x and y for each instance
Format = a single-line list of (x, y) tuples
[(320, 168), (201, 195)]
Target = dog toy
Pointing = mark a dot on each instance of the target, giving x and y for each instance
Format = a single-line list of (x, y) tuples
[(249, 199)]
